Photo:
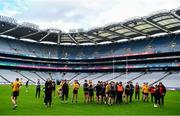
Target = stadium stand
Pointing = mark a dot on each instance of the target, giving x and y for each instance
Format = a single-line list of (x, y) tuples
[(11, 76), (158, 44), (31, 76), (143, 56)]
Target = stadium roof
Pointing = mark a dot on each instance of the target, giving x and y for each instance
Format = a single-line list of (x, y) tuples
[(156, 23)]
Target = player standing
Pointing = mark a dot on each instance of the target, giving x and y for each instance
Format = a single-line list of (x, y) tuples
[(15, 92), (75, 90), (86, 92), (38, 88), (65, 91), (48, 92)]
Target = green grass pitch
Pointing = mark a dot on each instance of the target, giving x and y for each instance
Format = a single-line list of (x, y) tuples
[(29, 105)]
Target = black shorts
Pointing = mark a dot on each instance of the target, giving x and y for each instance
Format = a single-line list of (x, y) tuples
[(15, 93), (112, 94), (107, 93), (75, 91), (86, 92)]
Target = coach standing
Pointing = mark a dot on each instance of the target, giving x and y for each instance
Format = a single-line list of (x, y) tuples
[(162, 92)]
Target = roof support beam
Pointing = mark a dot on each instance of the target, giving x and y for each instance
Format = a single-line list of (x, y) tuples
[(157, 26), (9, 30), (45, 36), (175, 15), (134, 30), (30, 34), (59, 39), (85, 37), (72, 38)]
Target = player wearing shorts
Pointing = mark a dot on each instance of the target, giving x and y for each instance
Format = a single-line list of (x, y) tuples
[(59, 89), (75, 90), (103, 92), (38, 88), (15, 92), (127, 91), (146, 92), (91, 92), (120, 90), (86, 92), (48, 92), (98, 89), (65, 91), (107, 92), (131, 92), (112, 93)]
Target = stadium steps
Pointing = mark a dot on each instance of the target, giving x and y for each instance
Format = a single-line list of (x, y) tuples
[(78, 77), (169, 73), (43, 74), (115, 77), (74, 77), (84, 77), (49, 75), (121, 75), (98, 76), (39, 76), (137, 77), (25, 76), (5, 79)]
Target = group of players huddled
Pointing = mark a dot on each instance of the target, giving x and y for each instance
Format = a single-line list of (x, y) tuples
[(106, 92), (113, 93)]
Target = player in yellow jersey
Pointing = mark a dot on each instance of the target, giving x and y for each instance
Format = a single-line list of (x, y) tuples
[(146, 92), (107, 92), (143, 86), (15, 92), (75, 90)]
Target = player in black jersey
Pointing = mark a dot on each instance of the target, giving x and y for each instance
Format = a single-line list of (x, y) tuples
[(86, 92)]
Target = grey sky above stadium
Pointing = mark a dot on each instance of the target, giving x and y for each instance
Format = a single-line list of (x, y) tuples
[(74, 14)]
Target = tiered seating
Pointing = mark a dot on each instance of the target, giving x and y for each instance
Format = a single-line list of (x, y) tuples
[(105, 77), (127, 77), (161, 44), (172, 81), (150, 77), (11, 75), (2, 81), (90, 77), (158, 44), (31, 76)]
